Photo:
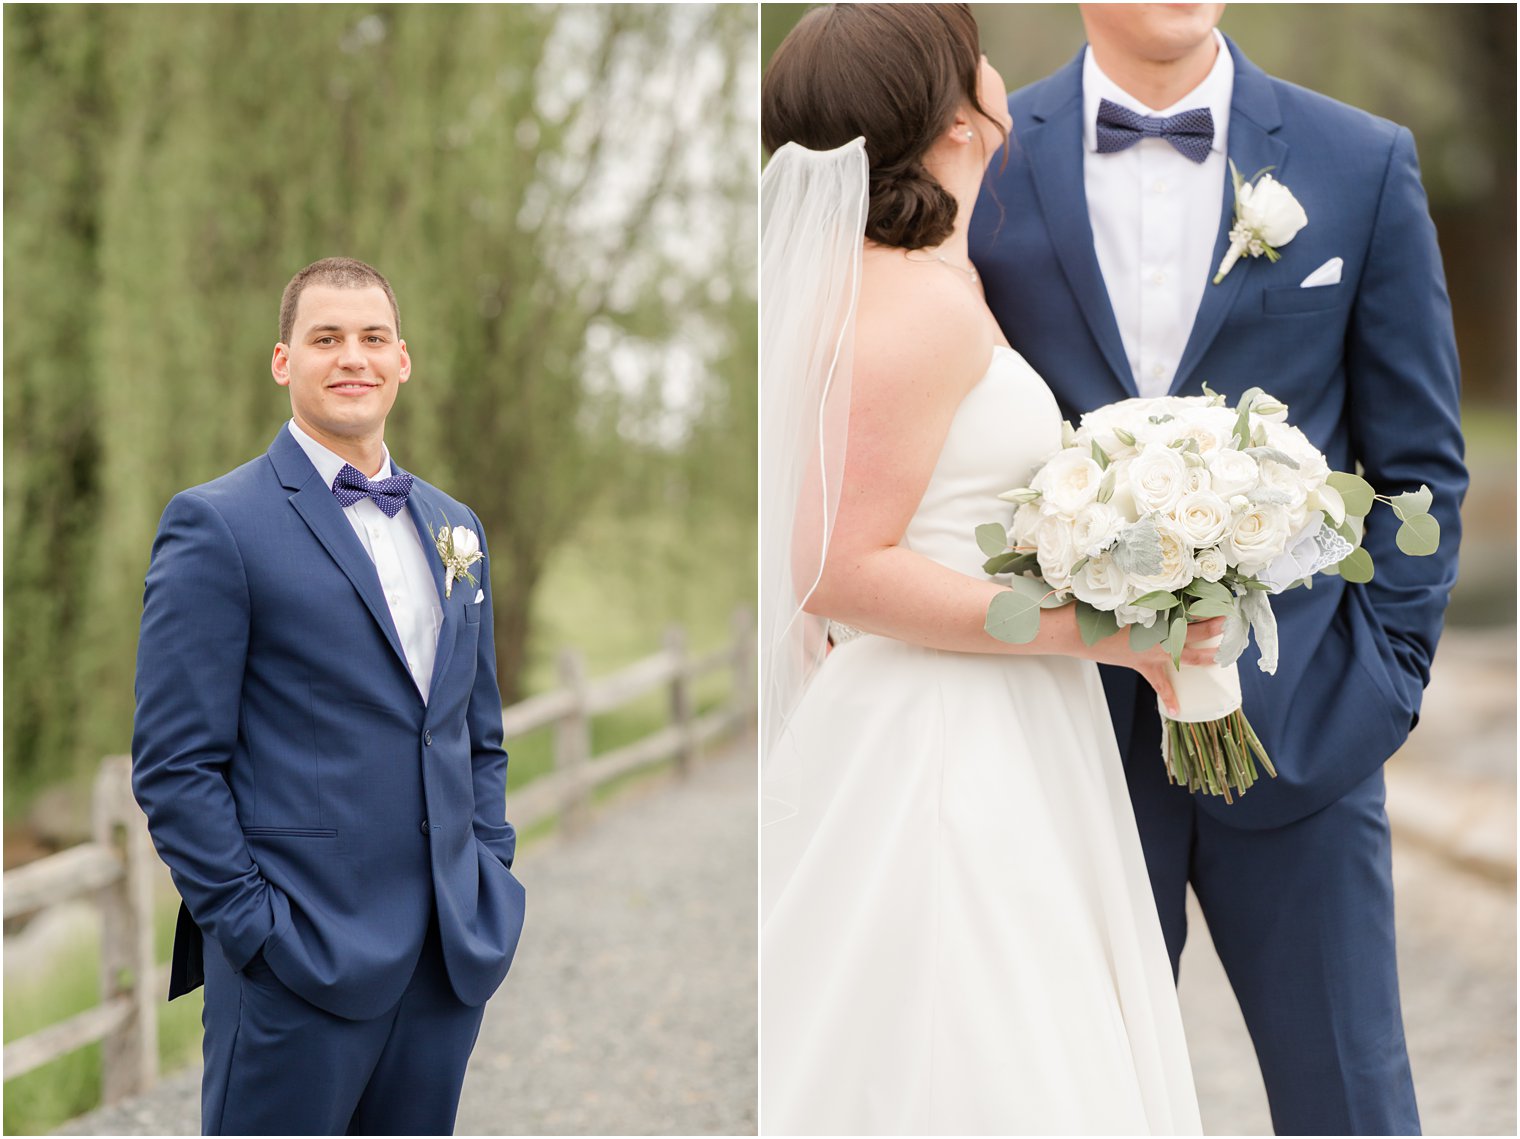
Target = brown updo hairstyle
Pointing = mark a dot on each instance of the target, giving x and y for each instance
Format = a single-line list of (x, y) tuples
[(894, 73)]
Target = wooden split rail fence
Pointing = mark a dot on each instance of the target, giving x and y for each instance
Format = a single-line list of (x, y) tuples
[(118, 866)]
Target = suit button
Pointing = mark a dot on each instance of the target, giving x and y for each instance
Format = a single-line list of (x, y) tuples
[(427, 738), (424, 826)]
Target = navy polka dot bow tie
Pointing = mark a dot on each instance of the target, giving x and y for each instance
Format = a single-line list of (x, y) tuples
[(1191, 132), (388, 494)]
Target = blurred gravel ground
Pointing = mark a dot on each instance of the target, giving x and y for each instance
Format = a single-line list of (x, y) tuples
[(631, 1006)]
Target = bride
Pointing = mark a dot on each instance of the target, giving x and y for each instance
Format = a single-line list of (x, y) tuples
[(958, 934)]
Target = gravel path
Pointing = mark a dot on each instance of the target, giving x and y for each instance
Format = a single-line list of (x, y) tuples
[(631, 1006)]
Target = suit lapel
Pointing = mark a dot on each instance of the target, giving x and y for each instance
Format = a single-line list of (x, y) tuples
[(1054, 147), (314, 501), (427, 515), (1253, 145)]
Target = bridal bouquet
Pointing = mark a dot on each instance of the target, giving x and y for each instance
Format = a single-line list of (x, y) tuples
[(1160, 511)]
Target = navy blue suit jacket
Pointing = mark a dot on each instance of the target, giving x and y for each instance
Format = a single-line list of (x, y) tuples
[(307, 801), (1368, 369)]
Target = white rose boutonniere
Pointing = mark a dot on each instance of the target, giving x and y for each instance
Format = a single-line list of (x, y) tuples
[(1267, 216), (459, 547)]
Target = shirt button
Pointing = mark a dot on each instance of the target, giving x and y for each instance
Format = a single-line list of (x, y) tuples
[(424, 827), (1157, 371), (394, 599), (1158, 186), (1158, 278), (374, 531)]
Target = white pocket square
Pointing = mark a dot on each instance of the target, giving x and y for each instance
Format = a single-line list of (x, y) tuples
[(480, 595), (1327, 274)]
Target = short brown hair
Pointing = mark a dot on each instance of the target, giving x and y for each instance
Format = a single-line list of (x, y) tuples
[(894, 73), (339, 272)]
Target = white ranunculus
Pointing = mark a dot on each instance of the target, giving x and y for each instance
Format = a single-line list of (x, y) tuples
[(1269, 209), (1100, 583), (1256, 537), (1209, 564), (466, 543), (1057, 553), (1176, 560), (1232, 472), (1068, 482), (1157, 478), (1095, 527), (1134, 615), (1202, 516)]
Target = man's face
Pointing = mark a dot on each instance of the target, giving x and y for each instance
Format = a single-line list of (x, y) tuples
[(343, 364), (1156, 33)]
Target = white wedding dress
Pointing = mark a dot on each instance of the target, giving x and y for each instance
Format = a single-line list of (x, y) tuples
[(959, 935)]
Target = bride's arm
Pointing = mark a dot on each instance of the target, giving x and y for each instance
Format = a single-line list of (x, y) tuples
[(911, 373)]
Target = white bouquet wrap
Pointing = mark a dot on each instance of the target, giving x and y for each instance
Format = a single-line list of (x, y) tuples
[(1157, 512)]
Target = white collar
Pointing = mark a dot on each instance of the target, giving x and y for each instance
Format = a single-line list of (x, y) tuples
[(1214, 93), (329, 464)]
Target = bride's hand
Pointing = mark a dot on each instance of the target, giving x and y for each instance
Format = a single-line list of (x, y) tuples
[(1155, 664)]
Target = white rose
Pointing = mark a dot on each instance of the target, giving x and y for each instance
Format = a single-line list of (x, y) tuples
[(1176, 560), (1100, 583), (1202, 516), (1026, 519), (1232, 472), (1256, 537), (1269, 208), (1095, 527), (1209, 427), (1056, 553), (1069, 481), (1157, 478), (466, 544), (1209, 564), (1312, 467), (1199, 479), (1286, 481)]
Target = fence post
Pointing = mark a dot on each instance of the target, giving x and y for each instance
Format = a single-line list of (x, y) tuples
[(572, 744), (680, 699), (743, 626), (129, 1054)]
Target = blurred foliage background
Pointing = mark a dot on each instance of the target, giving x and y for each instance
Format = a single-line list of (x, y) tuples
[(563, 198), (1447, 72)]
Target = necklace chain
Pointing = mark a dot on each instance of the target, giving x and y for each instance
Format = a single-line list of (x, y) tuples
[(935, 255)]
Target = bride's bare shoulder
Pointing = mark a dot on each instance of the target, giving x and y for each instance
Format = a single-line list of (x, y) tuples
[(917, 324)]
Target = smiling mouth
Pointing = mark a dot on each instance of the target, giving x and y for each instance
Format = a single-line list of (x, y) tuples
[(353, 387)]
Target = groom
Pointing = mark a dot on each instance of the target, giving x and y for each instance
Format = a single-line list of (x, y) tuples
[(1097, 244), (318, 750)]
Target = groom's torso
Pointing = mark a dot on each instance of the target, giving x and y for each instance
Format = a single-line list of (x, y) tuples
[(355, 795), (1032, 239)]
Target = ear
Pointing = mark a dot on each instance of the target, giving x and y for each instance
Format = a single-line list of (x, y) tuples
[(405, 372), (961, 128), (279, 366)]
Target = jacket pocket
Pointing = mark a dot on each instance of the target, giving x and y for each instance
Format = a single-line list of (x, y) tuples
[(291, 832)]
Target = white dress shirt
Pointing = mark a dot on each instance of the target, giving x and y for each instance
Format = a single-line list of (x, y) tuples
[(401, 560), (1155, 218)]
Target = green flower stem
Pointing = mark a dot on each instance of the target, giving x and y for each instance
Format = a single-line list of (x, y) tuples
[(1217, 757)]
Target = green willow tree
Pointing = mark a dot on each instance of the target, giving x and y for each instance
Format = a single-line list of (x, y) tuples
[(525, 176)]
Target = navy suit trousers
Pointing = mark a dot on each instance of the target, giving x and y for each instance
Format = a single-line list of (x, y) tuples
[(278, 1065)]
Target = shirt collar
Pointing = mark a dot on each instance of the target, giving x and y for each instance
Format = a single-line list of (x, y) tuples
[(1214, 93), (329, 464)]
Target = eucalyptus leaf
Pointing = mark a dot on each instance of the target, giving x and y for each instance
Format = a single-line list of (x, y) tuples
[(1420, 536), (1176, 637), (991, 538), (1355, 492), (1206, 607), (1002, 563), (1095, 624), (1013, 617), (1142, 637), (1356, 566), (1156, 599), (1412, 504), (1201, 588)]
